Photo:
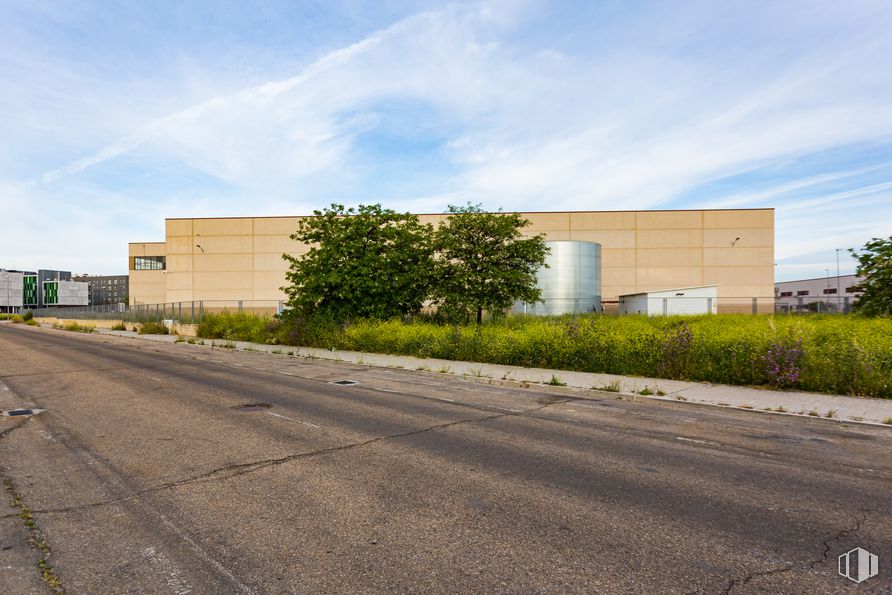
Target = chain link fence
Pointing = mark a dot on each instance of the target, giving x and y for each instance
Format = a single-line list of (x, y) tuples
[(193, 312), (181, 312)]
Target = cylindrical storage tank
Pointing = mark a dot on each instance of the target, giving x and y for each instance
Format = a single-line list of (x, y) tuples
[(572, 282)]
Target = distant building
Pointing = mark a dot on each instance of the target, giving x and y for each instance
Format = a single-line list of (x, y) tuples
[(11, 284), (106, 290), (229, 262), (821, 294), (42, 289), (668, 302)]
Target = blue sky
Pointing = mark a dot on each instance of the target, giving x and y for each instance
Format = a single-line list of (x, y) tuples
[(118, 114)]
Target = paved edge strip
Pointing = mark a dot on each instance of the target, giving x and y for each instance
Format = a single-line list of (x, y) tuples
[(838, 408)]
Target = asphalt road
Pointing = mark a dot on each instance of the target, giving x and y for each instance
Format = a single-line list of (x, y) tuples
[(146, 473)]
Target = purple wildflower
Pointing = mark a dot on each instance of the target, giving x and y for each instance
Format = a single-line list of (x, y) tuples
[(782, 362)]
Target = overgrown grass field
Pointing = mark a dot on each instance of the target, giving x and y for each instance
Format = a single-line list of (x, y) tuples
[(834, 354)]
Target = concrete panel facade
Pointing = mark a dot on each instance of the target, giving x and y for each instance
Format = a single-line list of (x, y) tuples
[(241, 258), (11, 291)]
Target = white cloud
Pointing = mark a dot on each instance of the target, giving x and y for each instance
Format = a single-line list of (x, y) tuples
[(614, 111)]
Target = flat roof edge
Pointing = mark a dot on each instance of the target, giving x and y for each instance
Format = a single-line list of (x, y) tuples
[(816, 279), (505, 211), (662, 290)]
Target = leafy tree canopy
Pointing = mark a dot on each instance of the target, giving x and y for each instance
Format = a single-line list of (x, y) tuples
[(367, 262), (875, 268), (484, 262)]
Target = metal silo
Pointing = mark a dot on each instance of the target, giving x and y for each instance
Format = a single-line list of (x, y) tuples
[(572, 282)]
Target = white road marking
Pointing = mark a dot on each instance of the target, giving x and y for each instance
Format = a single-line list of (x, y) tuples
[(697, 441), (177, 584), (204, 555), (444, 399), (306, 423)]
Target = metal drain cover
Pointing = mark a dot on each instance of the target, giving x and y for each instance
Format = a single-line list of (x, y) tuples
[(251, 407), (344, 382), (15, 412)]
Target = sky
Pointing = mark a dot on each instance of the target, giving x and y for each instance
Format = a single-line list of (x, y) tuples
[(116, 115)]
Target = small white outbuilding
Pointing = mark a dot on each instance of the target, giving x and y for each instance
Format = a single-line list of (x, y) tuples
[(665, 302)]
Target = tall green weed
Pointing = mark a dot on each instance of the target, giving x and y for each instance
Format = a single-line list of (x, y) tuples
[(835, 354)]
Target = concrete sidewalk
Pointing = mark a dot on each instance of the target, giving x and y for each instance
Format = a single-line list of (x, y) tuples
[(842, 408)]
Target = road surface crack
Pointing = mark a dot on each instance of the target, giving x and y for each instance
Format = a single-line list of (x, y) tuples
[(238, 469), (827, 544), (739, 582), (829, 541)]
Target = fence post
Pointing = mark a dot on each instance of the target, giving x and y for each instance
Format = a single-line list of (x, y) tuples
[(201, 310), (240, 306), (846, 307), (755, 305), (665, 306), (180, 311), (192, 320), (709, 305)]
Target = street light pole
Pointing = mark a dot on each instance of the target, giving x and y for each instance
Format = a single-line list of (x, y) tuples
[(838, 292)]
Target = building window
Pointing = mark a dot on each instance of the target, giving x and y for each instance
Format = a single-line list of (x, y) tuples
[(829, 290), (853, 289), (149, 263), (786, 294), (803, 292)]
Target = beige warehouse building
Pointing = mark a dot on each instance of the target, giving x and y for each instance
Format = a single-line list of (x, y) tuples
[(231, 259)]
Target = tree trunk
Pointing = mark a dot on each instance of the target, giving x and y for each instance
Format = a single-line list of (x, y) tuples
[(479, 315)]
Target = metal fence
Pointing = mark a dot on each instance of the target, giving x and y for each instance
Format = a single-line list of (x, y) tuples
[(182, 312), (815, 305), (193, 312)]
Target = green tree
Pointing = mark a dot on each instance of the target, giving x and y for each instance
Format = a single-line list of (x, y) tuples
[(366, 262), (875, 269), (484, 262)]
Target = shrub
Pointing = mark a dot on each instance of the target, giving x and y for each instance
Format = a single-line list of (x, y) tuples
[(153, 328), (28, 315), (237, 326), (78, 328), (119, 326)]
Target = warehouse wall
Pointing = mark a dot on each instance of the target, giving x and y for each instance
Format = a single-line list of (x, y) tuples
[(147, 287), (240, 258)]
